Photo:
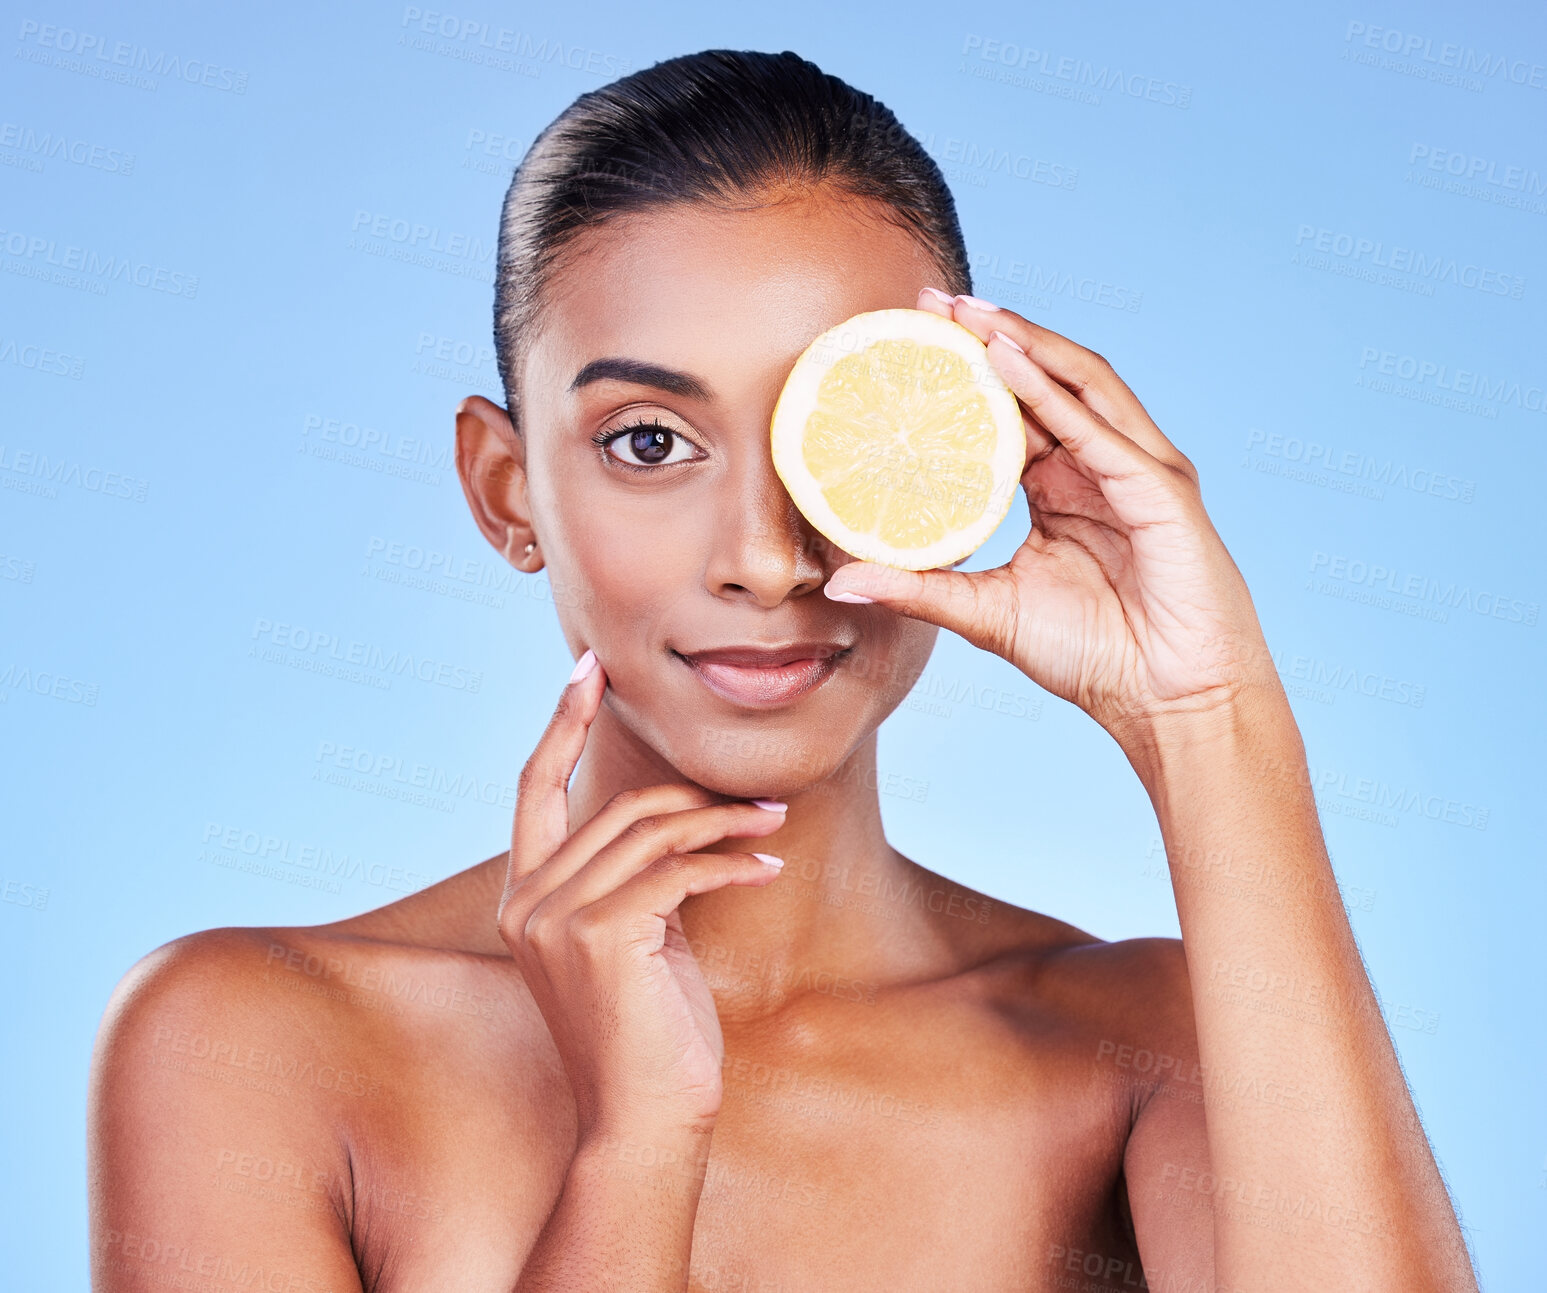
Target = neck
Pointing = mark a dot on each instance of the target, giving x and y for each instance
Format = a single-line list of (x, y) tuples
[(813, 925)]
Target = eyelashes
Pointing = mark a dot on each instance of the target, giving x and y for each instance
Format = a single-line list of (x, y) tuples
[(646, 437)]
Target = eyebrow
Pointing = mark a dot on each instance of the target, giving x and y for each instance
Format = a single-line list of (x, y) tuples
[(639, 372)]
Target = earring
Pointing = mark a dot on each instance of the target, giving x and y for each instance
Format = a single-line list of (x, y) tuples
[(527, 551)]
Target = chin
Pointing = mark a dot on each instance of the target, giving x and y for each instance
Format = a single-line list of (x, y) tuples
[(748, 762), (763, 751), (756, 756)]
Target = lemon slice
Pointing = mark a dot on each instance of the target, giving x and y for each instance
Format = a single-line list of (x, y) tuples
[(898, 440)]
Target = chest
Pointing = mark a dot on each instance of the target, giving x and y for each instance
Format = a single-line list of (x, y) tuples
[(829, 1184), (890, 1163)]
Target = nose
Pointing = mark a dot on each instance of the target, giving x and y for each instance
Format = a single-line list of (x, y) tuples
[(764, 550)]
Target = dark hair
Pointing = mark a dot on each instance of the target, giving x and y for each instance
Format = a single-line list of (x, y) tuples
[(724, 127)]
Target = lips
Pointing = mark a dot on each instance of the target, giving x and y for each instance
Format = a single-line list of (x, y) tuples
[(762, 677)]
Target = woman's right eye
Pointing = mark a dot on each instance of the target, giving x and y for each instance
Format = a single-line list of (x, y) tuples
[(648, 444)]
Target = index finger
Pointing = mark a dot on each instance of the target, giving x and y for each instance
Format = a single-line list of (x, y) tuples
[(542, 793), (1082, 372)]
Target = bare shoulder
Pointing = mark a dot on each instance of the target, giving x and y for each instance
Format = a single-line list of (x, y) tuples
[(310, 1016), (269, 1098), (176, 998), (205, 1025), (251, 1086), (199, 1073), (1143, 977), (300, 1011), (1131, 994)]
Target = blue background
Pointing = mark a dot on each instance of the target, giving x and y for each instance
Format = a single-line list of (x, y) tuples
[(155, 736)]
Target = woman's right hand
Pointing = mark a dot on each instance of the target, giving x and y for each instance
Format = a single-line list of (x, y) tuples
[(591, 921)]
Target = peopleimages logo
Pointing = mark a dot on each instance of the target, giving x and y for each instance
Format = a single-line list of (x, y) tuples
[(264, 847), (95, 55), (403, 772), (34, 255), (65, 148), (1482, 170), (353, 435), (1321, 678), (422, 237), (979, 160), (357, 661), (1358, 465), (1375, 254), (1344, 575), (1079, 74), (41, 359), (1379, 801), (31, 472), (1050, 282), (476, 35), (1462, 59), (1462, 387)]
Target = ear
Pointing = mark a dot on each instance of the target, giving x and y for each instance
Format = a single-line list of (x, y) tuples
[(491, 461)]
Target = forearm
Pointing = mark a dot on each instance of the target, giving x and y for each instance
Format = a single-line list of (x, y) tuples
[(1308, 1114), (624, 1218)]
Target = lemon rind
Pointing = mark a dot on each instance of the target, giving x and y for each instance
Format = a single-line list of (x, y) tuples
[(859, 332)]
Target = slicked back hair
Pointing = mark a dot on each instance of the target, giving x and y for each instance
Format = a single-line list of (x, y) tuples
[(727, 128)]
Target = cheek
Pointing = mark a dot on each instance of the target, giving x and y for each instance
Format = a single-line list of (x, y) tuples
[(895, 650), (633, 565)]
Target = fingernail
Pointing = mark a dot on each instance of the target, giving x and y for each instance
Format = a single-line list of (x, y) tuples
[(858, 599), (1009, 341), (977, 301), (772, 805), (584, 665), (939, 295), (769, 858)]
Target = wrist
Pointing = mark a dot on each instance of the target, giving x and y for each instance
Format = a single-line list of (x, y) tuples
[(624, 1216), (612, 1111), (659, 1157), (1256, 725), (643, 1140)]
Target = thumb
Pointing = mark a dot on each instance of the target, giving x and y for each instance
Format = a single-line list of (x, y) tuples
[(948, 598)]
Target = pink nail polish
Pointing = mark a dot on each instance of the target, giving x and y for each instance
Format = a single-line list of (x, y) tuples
[(944, 297), (856, 598), (1009, 341), (772, 805), (769, 858), (584, 665), (977, 302)]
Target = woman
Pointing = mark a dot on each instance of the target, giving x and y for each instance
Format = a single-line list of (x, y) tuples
[(637, 1052)]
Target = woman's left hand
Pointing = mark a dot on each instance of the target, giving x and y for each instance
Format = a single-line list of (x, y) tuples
[(1123, 599)]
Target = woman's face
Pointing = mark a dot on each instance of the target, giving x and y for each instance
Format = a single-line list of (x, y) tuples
[(678, 540)]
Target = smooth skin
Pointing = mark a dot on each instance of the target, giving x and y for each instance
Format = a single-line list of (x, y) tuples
[(630, 1053)]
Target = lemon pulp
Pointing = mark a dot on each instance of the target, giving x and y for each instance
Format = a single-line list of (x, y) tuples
[(898, 440)]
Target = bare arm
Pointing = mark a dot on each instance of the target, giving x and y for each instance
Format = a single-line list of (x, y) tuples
[(1318, 1167), (196, 1179), (624, 1218), (1124, 601), (590, 918)]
